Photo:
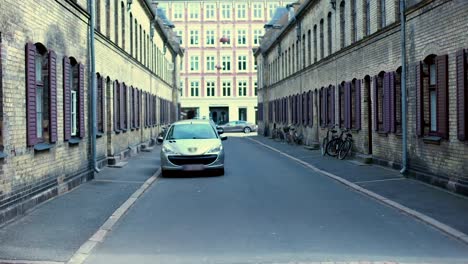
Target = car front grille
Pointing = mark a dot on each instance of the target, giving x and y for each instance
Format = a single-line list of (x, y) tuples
[(200, 159)]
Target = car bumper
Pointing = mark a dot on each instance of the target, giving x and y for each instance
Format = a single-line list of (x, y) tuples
[(190, 163)]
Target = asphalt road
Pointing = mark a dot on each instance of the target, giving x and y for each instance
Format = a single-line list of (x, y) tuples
[(267, 209)]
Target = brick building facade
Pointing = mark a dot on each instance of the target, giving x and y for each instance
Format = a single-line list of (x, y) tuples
[(340, 64), (46, 89)]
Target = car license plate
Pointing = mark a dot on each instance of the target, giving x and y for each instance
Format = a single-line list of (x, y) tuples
[(193, 167)]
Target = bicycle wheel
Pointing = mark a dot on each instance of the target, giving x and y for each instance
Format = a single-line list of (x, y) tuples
[(323, 148), (333, 147), (159, 135), (289, 138), (345, 149), (275, 135)]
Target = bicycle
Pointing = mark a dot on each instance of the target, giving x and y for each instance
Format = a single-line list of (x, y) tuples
[(333, 146), (346, 146), (296, 137), (277, 135), (331, 131)]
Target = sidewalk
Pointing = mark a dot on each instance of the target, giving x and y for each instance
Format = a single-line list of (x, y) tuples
[(448, 208), (56, 229)]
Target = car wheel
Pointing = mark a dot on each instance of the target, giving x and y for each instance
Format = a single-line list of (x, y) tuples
[(247, 130)]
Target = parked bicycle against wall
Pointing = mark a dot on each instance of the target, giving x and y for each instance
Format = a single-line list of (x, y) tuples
[(277, 134), (346, 146), (331, 134), (295, 136), (162, 134), (333, 146)]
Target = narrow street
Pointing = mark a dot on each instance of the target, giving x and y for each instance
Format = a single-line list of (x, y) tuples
[(267, 209)]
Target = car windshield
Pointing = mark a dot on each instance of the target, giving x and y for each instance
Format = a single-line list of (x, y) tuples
[(191, 131)]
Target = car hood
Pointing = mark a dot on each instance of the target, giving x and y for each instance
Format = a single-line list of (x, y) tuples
[(191, 147)]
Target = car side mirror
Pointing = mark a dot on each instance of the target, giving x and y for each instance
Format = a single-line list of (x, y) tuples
[(160, 139), (223, 138)]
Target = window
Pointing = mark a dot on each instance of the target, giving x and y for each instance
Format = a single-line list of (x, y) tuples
[(432, 97), (194, 86), (257, 35), (131, 34), (309, 47), (226, 60), (241, 11), (122, 8), (462, 92), (226, 34), (194, 11), (181, 88), (98, 15), (271, 9), (194, 63), (242, 63), (226, 11), (210, 88), (178, 10), (379, 82), (41, 98), (342, 24), (74, 81), (330, 37), (210, 63), (242, 86), (241, 37), (193, 37), (322, 46), (116, 22), (108, 18), (226, 88), (180, 34), (210, 11), (382, 13), (315, 43), (255, 88), (101, 97), (367, 17), (210, 37), (354, 21), (304, 52), (255, 64), (258, 10), (136, 39)]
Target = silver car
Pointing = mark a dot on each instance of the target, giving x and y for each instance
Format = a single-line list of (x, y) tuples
[(239, 126), (192, 145)]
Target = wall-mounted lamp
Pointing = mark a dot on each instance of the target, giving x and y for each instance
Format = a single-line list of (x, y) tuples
[(333, 3), (129, 4)]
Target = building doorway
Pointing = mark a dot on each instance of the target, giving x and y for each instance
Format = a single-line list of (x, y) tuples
[(243, 114), (220, 115)]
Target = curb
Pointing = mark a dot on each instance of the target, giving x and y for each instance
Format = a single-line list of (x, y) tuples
[(85, 250), (422, 217)]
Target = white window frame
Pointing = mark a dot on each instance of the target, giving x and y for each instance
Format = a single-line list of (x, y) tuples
[(74, 112), (178, 11), (242, 61), (241, 13), (242, 88), (194, 88), (227, 85), (241, 37), (210, 88), (210, 38), (257, 10), (226, 11), (210, 63), (227, 33), (210, 11), (226, 63), (194, 63), (194, 40), (194, 11)]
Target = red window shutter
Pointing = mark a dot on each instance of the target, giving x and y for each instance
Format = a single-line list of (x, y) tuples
[(116, 106), (66, 98), (386, 103), (31, 94), (419, 100), (462, 96), (81, 103), (375, 105), (122, 107), (442, 96), (358, 104), (332, 94), (53, 96), (392, 103)]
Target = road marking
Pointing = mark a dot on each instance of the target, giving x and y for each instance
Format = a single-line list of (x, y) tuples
[(85, 250), (118, 181), (2, 261), (384, 180), (422, 217)]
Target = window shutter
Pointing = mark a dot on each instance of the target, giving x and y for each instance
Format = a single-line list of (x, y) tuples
[(31, 94), (419, 100), (386, 103), (332, 94), (392, 103), (66, 98), (462, 96), (116, 107), (103, 103), (305, 110), (348, 105), (320, 102), (358, 104), (442, 96), (127, 106), (81, 97), (138, 100), (375, 103), (53, 96), (311, 113), (122, 107)]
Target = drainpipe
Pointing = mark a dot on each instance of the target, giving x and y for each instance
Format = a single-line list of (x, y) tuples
[(93, 86), (403, 87)]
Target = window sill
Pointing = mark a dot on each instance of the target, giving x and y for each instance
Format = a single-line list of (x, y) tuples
[(382, 134), (3, 155), (432, 140), (99, 134), (74, 141), (42, 147)]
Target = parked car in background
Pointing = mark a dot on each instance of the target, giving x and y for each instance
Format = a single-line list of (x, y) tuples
[(192, 145), (239, 126)]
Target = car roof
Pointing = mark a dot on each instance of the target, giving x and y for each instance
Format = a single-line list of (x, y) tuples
[(192, 121)]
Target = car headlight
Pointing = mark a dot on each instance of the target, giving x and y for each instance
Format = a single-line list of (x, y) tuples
[(167, 150), (216, 149)]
